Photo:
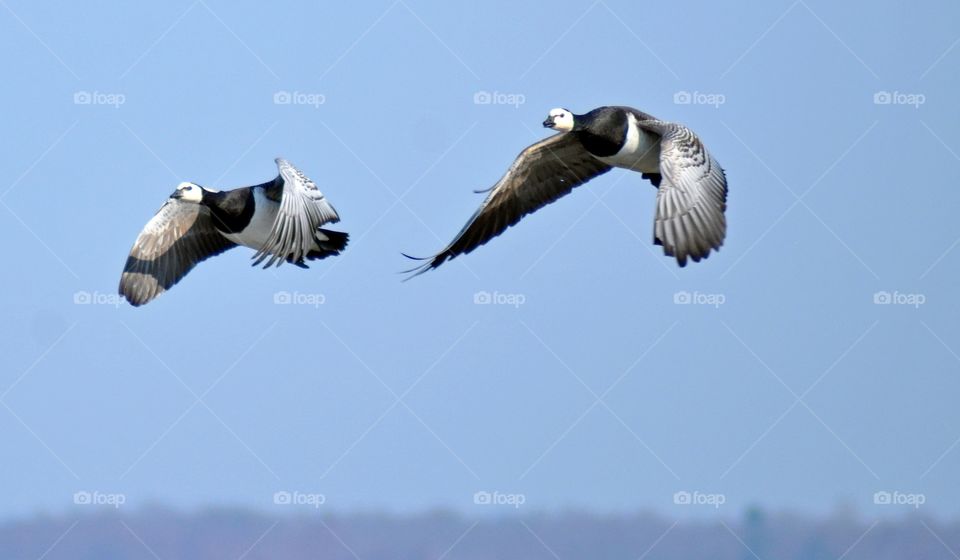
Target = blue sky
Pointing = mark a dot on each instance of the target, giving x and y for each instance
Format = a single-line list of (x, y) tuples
[(783, 383)]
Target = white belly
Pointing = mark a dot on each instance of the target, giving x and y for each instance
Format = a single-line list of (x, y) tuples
[(258, 230), (640, 151)]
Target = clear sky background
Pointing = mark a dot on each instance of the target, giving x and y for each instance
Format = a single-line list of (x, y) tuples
[(796, 392)]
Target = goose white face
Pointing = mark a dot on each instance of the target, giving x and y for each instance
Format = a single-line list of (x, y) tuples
[(188, 192), (559, 119)]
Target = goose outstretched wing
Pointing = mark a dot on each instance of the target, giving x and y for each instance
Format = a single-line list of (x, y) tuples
[(179, 236), (691, 195), (303, 209), (541, 174)]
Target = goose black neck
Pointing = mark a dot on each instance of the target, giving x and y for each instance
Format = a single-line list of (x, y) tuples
[(232, 210), (602, 131)]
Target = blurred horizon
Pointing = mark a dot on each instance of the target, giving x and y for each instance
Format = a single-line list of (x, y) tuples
[(839, 512), (236, 534)]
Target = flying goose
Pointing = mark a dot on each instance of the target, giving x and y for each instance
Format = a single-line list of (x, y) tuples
[(691, 185), (281, 219)]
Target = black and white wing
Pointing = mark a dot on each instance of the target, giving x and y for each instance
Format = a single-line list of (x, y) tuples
[(691, 195), (303, 209), (179, 236), (541, 174)]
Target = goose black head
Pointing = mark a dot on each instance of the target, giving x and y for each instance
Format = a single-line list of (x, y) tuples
[(559, 119), (188, 192)]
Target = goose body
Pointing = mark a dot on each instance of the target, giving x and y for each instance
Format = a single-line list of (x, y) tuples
[(256, 229), (691, 186), (639, 150), (280, 219), (246, 216)]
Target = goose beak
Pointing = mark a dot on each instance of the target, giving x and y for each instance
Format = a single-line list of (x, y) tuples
[(177, 194), (549, 123)]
